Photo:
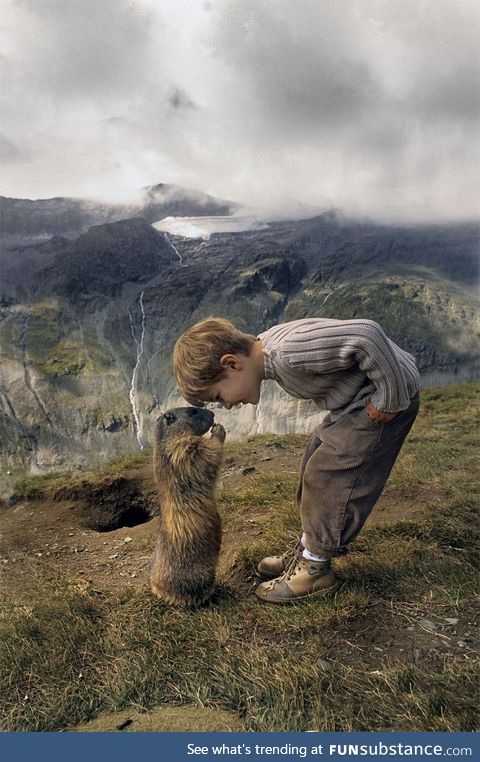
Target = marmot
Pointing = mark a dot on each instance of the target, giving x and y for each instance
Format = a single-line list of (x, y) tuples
[(186, 470)]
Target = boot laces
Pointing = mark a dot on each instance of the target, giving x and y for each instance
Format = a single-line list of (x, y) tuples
[(293, 555), (292, 564), (295, 562)]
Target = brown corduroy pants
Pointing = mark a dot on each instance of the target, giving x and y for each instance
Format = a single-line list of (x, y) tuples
[(343, 472)]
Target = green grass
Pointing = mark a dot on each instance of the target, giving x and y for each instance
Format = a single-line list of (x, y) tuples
[(67, 653), (56, 484), (56, 346)]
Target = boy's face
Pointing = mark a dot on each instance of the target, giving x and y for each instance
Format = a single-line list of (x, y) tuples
[(240, 384)]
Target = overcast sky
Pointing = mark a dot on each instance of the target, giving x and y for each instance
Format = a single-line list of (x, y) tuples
[(370, 106)]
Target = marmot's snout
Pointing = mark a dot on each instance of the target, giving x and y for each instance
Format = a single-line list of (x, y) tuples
[(197, 419)]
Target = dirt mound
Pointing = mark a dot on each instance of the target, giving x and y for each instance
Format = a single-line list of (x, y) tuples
[(110, 504)]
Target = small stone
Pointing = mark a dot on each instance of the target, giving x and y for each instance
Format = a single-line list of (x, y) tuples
[(428, 625), (115, 555), (451, 620), (461, 643), (248, 470), (265, 459), (127, 539)]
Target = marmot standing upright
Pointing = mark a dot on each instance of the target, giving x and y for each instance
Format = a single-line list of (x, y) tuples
[(186, 469)]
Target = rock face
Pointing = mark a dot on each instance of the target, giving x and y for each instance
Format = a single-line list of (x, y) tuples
[(87, 326)]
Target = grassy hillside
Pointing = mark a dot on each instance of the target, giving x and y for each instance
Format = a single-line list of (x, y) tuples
[(395, 649)]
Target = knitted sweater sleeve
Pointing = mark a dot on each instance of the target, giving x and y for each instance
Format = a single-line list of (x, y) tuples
[(328, 346)]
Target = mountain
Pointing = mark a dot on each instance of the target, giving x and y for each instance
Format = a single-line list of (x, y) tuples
[(166, 200), (87, 326), (24, 219)]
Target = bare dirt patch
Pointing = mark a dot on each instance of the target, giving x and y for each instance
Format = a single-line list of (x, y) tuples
[(165, 719), (405, 634), (403, 503)]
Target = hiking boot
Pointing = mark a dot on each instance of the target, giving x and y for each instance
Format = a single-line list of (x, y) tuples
[(301, 579), (273, 566)]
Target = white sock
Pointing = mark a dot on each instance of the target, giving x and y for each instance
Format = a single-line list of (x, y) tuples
[(313, 556), (308, 554)]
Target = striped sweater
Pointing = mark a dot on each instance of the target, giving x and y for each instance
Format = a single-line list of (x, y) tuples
[(340, 364)]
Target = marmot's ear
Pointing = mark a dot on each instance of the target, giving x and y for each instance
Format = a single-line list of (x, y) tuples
[(169, 418)]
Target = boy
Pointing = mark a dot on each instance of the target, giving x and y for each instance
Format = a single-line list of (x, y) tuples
[(349, 367)]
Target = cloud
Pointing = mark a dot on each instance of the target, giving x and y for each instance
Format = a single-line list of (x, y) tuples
[(70, 50), (369, 106), (9, 152), (180, 100)]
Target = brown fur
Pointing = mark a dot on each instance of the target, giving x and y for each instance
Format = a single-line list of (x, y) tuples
[(186, 470)]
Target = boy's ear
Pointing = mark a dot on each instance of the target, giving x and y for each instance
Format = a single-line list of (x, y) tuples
[(231, 361)]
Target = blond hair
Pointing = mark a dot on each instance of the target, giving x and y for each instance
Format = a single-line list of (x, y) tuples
[(197, 353)]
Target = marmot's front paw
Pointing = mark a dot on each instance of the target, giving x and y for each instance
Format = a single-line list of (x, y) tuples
[(218, 432)]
